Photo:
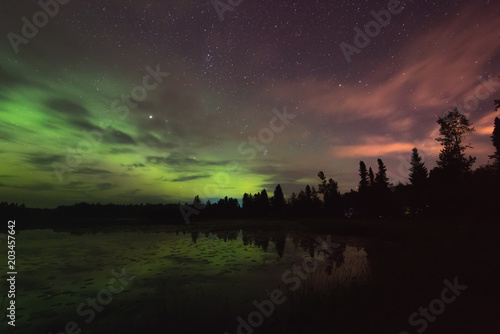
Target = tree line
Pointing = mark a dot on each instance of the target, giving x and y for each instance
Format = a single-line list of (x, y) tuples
[(452, 189)]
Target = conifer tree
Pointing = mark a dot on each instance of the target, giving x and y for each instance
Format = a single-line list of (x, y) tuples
[(371, 177), (278, 199), (381, 179), (418, 171), (363, 183), (495, 138)]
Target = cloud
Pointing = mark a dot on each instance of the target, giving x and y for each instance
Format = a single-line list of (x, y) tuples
[(41, 186), (179, 160), (131, 167), (485, 125), (91, 171), (284, 172), (125, 150), (174, 159), (67, 108), (85, 125), (9, 80), (152, 141), (374, 150), (190, 177), (104, 186), (43, 161), (119, 137), (436, 71), (5, 135)]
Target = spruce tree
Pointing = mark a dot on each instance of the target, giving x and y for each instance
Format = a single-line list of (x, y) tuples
[(381, 179), (418, 171), (371, 177), (278, 198), (363, 183), (264, 201)]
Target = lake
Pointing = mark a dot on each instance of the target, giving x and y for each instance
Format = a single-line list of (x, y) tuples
[(182, 280)]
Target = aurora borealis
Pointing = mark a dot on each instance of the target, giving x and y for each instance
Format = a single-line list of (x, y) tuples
[(76, 95)]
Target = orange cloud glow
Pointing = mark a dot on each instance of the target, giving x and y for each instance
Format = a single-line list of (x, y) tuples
[(374, 150), (439, 70)]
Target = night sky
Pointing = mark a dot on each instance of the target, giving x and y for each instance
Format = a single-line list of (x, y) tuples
[(89, 113)]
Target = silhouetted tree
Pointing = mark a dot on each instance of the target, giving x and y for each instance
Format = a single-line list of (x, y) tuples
[(303, 204), (366, 198), (484, 192), (248, 204), (315, 202), (351, 203), (495, 138), (371, 177), (451, 181), (331, 196), (381, 179), (418, 178), (197, 202), (418, 171), (308, 194), (363, 183), (261, 201), (278, 200), (453, 128), (380, 195)]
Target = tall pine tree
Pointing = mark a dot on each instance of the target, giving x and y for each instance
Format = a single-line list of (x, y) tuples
[(371, 177), (381, 179), (363, 183), (278, 199), (381, 195), (418, 171)]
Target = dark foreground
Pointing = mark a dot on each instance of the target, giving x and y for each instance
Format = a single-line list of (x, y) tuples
[(235, 276)]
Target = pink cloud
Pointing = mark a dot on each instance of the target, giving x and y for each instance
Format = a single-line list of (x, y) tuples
[(373, 150), (440, 67)]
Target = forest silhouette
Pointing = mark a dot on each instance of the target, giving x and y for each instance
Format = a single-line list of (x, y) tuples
[(452, 190)]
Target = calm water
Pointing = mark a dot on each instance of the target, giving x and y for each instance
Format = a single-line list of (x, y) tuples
[(163, 280)]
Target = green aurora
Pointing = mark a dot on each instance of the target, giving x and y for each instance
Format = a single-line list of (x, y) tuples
[(80, 122)]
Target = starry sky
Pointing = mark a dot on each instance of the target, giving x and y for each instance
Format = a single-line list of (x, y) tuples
[(139, 101)]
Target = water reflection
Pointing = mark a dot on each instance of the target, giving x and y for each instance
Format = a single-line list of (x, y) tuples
[(205, 274)]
